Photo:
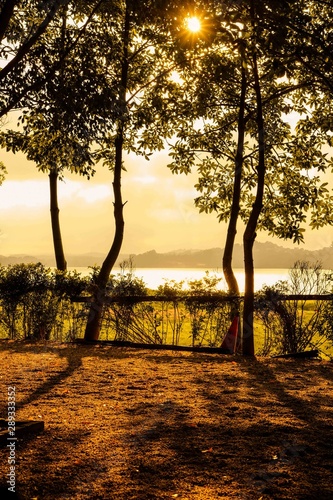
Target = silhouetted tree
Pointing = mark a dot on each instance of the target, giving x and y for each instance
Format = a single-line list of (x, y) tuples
[(251, 163), (21, 26), (138, 52), (62, 120), (66, 116)]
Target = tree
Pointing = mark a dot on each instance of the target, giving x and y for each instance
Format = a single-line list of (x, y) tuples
[(137, 52), (245, 97), (52, 152), (65, 117)]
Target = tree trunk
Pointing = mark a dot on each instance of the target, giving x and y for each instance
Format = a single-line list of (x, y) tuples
[(96, 309), (251, 227), (234, 213), (248, 335), (55, 222)]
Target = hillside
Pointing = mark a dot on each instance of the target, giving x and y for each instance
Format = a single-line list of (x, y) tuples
[(266, 255)]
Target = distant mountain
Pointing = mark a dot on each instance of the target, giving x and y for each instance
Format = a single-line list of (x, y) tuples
[(182, 258), (17, 259), (81, 260), (266, 255)]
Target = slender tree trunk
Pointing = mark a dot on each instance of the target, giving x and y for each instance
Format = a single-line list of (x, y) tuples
[(96, 310), (55, 222), (234, 213), (251, 227)]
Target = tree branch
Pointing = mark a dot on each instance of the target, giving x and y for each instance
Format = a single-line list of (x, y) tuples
[(24, 49)]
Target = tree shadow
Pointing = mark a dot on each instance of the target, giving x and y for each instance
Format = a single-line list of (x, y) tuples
[(73, 355), (165, 447), (307, 438), (193, 357), (58, 479)]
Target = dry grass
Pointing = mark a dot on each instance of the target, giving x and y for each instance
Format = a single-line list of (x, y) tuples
[(129, 424)]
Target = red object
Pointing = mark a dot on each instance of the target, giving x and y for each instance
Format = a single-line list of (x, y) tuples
[(230, 340)]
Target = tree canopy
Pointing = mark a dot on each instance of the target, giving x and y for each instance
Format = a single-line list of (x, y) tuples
[(253, 163), (245, 101)]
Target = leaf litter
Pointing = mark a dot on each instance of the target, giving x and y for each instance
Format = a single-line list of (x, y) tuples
[(135, 424)]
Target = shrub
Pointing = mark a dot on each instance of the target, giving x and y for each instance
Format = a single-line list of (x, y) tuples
[(35, 301), (182, 312), (28, 307), (296, 324), (210, 319), (71, 316), (128, 320)]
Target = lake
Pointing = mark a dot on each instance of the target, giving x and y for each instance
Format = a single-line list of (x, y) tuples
[(154, 277)]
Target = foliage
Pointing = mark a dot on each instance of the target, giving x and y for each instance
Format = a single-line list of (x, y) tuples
[(36, 304), (23, 25), (66, 113), (252, 162), (210, 319), (3, 172), (296, 324), (125, 283), (64, 117), (35, 300), (127, 320), (293, 156)]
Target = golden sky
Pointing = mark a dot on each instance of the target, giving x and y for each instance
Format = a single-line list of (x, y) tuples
[(159, 213)]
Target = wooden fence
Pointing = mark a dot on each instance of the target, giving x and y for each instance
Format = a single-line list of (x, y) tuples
[(200, 309)]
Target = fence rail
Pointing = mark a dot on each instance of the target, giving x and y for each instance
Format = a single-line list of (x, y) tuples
[(160, 298), (301, 297), (194, 298)]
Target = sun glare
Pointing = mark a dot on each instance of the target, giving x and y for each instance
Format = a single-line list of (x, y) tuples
[(193, 24)]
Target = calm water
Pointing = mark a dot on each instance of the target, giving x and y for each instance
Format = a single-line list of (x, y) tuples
[(155, 277)]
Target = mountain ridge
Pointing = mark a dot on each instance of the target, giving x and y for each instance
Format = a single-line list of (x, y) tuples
[(266, 256)]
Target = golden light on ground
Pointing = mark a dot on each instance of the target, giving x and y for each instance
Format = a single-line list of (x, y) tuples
[(193, 24)]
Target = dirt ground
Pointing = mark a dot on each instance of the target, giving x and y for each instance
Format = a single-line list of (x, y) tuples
[(135, 424)]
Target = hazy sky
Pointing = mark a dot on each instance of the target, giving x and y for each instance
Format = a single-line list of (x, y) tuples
[(160, 212)]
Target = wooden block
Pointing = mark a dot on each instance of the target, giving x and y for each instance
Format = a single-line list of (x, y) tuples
[(22, 428)]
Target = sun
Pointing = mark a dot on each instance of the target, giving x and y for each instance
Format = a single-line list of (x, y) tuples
[(193, 24)]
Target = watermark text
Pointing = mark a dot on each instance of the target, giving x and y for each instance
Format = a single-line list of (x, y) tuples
[(11, 439)]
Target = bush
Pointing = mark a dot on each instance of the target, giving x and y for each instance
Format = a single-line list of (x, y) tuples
[(28, 307), (71, 316), (34, 300), (181, 317), (210, 319), (36, 304), (126, 319), (294, 325)]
